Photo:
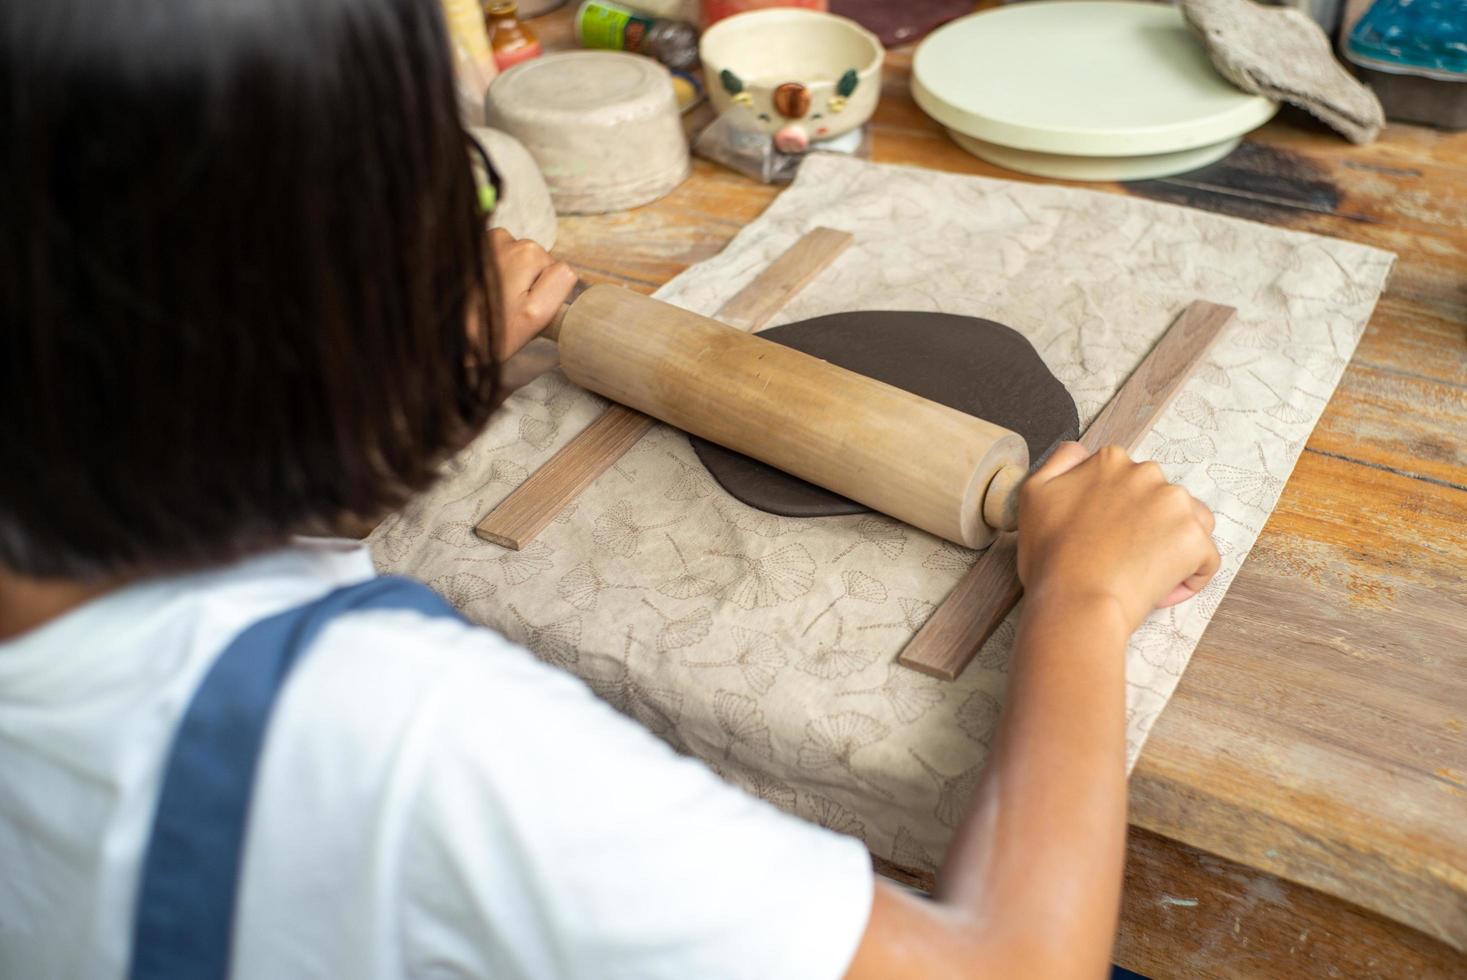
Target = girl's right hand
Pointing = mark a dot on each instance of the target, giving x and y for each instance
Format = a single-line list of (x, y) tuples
[(1103, 526)]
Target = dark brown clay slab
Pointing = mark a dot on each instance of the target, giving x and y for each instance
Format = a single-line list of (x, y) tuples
[(976, 366)]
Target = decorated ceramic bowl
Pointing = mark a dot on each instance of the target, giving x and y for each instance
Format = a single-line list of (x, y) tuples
[(798, 75)]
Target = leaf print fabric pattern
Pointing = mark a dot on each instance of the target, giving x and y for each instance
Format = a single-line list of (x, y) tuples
[(558, 642), (742, 721), (906, 852), (744, 518), (833, 660), (394, 538), (775, 578), (682, 631), (858, 585), (1184, 450), (881, 533), (978, 716), (582, 587), (693, 482), (953, 792), (657, 709), (534, 432), (1197, 410), (518, 567), (909, 694), (830, 741), (619, 533), (995, 654), (1256, 488), (1154, 640), (502, 472), (684, 585), (833, 816), (766, 645), (757, 656), (766, 788), (460, 534), (915, 612), (462, 588), (950, 557), (1283, 409)]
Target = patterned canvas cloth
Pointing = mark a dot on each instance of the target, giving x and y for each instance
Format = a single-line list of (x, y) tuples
[(766, 645)]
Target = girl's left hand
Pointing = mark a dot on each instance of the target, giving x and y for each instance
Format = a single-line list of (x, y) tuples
[(532, 286)]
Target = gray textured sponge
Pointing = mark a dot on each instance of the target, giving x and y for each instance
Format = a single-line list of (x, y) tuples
[(1280, 53)]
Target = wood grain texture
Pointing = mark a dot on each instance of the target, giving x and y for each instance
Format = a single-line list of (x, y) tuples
[(754, 305), (531, 506), (1325, 731), (1189, 914), (1264, 741), (1128, 417), (968, 616), (965, 620), (553, 487)]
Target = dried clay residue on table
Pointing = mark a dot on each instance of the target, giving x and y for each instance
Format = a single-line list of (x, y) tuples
[(1257, 182)]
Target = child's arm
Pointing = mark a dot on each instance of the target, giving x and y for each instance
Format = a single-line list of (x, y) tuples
[(532, 285), (1031, 883)]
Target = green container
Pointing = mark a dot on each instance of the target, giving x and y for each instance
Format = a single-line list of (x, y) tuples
[(608, 25)]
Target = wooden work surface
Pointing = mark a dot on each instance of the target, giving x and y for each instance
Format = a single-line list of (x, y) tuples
[(1301, 806)]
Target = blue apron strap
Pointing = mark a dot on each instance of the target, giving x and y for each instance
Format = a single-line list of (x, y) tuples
[(190, 874)]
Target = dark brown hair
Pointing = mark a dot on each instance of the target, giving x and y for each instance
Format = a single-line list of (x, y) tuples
[(239, 250)]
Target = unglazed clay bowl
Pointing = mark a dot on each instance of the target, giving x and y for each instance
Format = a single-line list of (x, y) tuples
[(524, 208), (798, 75), (604, 127)]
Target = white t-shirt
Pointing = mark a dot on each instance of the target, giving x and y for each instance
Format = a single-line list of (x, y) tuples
[(432, 801)]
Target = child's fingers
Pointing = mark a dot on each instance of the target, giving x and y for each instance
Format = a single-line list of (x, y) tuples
[(1204, 515), (1180, 593), (1212, 559), (501, 243), (1197, 581), (1066, 456), (1211, 562), (1183, 591), (518, 261), (550, 289)]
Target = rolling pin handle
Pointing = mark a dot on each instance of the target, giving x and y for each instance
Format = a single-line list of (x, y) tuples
[(1001, 501), (552, 332)]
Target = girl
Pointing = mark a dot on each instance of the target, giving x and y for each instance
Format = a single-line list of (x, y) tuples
[(247, 292)]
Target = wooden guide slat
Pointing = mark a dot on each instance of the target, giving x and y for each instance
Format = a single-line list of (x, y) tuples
[(551, 488), (532, 505), (983, 597), (753, 306)]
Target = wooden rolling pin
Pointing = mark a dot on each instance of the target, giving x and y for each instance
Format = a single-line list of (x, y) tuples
[(921, 462)]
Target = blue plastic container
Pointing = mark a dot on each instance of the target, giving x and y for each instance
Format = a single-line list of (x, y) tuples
[(1413, 53)]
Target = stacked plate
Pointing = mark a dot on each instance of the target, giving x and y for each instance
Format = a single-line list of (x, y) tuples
[(1082, 90)]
